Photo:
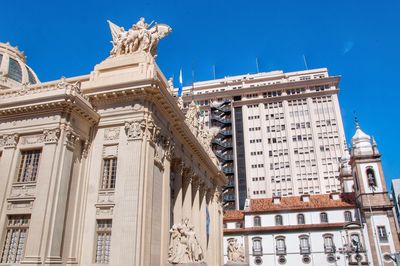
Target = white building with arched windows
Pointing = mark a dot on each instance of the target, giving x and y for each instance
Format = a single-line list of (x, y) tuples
[(354, 227)]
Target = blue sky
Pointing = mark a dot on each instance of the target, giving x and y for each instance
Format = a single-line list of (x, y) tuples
[(358, 40)]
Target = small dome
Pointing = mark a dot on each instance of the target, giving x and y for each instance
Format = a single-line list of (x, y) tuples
[(13, 68), (361, 143)]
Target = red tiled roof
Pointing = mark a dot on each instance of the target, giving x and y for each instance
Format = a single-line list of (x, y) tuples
[(233, 215), (347, 200)]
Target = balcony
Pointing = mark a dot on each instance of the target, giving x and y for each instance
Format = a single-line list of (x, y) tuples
[(305, 250), (329, 249), (257, 251), (281, 250)]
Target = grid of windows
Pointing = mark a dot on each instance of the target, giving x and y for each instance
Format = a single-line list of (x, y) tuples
[(109, 173), (15, 238), (103, 241), (28, 166)]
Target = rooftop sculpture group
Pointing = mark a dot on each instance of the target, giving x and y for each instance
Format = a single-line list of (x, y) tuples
[(140, 37)]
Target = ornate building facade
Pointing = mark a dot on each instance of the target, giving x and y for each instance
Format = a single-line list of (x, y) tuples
[(105, 168)]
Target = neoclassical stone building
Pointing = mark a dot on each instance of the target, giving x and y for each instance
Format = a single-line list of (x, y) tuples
[(105, 168)]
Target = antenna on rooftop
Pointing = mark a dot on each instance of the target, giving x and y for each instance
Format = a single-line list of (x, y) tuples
[(305, 61), (192, 90), (214, 70), (258, 69)]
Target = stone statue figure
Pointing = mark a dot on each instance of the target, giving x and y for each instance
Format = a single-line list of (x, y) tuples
[(235, 253), (184, 246), (139, 38)]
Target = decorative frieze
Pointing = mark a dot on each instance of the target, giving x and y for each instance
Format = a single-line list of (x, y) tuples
[(111, 134), (23, 191), (51, 135), (105, 197), (134, 129), (110, 151), (18, 205), (10, 140), (104, 210), (32, 139)]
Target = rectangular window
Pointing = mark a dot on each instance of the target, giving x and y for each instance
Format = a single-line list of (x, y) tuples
[(28, 166), (15, 238), (383, 237), (103, 241), (109, 173)]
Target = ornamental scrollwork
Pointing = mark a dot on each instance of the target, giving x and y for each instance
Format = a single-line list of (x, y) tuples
[(135, 129)]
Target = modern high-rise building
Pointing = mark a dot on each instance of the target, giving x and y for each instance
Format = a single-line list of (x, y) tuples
[(281, 133)]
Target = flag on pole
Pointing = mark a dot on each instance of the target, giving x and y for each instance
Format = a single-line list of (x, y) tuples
[(180, 83)]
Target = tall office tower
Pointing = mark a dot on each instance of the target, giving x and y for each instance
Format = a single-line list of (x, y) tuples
[(287, 132)]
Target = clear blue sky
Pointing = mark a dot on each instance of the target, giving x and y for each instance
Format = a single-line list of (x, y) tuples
[(359, 40)]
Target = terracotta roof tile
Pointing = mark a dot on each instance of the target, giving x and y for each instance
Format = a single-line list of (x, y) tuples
[(347, 200), (233, 215)]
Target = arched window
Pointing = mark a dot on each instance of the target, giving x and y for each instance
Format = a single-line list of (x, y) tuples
[(329, 246), (300, 219), (257, 246), (280, 245), (278, 220), (371, 177), (347, 216), (304, 244), (257, 221), (324, 217)]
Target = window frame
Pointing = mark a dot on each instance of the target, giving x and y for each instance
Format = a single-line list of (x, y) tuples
[(329, 246), (278, 220), (280, 249), (10, 230), (108, 182), (382, 234), (323, 217), (103, 232), (301, 219), (257, 249), (304, 249), (257, 221), (22, 167), (348, 216)]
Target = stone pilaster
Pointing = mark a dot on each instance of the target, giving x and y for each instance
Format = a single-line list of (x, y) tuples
[(129, 194), (187, 179), (58, 196), (38, 229)]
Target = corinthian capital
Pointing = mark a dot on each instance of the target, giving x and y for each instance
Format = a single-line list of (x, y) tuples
[(10, 140), (135, 129), (51, 135)]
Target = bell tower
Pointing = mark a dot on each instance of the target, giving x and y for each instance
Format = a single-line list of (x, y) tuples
[(372, 197)]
